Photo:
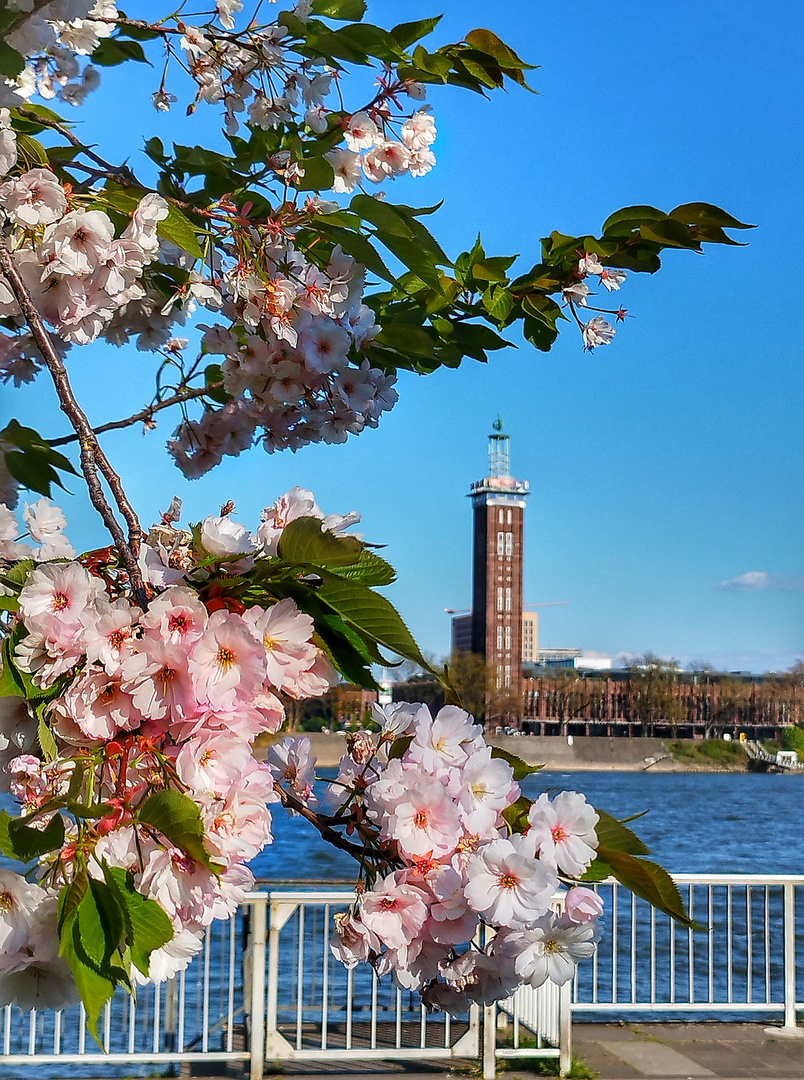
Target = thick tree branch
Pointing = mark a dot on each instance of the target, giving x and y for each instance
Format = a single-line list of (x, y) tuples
[(144, 414), (93, 458), (24, 16), (290, 802)]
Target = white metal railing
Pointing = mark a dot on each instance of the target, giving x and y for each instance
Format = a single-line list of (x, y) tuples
[(265, 986), (316, 1009), (745, 964), (196, 1016)]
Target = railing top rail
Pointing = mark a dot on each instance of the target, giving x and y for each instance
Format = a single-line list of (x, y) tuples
[(302, 895)]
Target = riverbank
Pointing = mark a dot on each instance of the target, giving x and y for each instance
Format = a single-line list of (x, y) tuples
[(583, 754)]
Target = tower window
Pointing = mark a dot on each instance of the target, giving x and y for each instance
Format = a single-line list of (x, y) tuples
[(507, 674), (509, 598), (508, 637), (500, 598), (509, 543), (501, 543), (499, 637), (509, 516), (500, 516)]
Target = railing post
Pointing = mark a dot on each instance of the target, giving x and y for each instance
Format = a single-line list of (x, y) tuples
[(489, 1042), (565, 1028), (789, 1028), (257, 1012), (789, 955)]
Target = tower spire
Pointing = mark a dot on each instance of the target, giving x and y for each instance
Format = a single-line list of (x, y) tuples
[(499, 450)]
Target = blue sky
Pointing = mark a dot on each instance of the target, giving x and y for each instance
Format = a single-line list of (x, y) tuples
[(661, 466)]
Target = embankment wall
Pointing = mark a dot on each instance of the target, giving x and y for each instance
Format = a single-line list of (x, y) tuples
[(600, 754)]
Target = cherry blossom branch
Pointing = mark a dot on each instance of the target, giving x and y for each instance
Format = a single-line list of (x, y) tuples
[(144, 414), (24, 16), (119, 172), (290, 802), (91, 455)]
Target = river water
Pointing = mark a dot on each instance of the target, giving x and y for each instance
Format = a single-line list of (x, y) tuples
[(697, 823), (742, 823)]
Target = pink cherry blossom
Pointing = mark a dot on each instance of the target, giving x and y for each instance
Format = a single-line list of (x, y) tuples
[(508, 888), (212, 763), (227, 663), (583, 905), (176, 616), (394, 910), (425, 821), (563, 831)]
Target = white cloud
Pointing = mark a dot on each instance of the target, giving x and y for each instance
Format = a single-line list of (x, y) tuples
[(755, 580)]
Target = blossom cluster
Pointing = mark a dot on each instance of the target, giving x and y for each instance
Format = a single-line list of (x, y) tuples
[(291, 350), (291, 360), (596, 331), (460, 899), (55, 37), (78, 273), (141, 702), (257, 76)]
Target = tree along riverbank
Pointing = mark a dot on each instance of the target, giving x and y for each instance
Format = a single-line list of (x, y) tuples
[(590, 753)]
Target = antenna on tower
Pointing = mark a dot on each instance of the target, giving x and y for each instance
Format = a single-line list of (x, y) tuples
[(499, 453)]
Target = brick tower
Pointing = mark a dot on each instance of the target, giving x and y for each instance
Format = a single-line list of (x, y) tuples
[(498, 502)]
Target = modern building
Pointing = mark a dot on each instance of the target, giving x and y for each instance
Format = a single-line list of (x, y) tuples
[(530, 637), (462, 636)]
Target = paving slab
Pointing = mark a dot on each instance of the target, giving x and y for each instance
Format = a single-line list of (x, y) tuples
[(725, 1051), (652, 1058)]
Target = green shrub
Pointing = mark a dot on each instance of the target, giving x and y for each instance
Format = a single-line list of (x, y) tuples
[(793, 739), (314, 723)]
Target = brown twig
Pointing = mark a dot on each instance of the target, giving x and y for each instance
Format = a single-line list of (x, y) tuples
[(290, 802), (144, 414), (92, 456), (24, 16)]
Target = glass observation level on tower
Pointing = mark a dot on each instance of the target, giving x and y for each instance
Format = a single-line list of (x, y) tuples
[(499, 487)]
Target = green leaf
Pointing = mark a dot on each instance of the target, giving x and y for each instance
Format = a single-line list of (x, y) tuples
[(372, 615), (46, 741), (705, 213), (11, 682), (177, 228), (520, 767), (498, 302), (306, 541), (399, 747), (648, 880), (407, 339), (28, 843), (113, 51), (100, 923), (671, 233), (35, 462), (70, 898), (31, 151), (486, 41), (624, 222), (11, 62), (178, 818), (17, 575), (148, 927), (95, 989), (370, 569), (613, 834), (406, 33), (516, 815), (346, 10), (9, 603), (318, 175)]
